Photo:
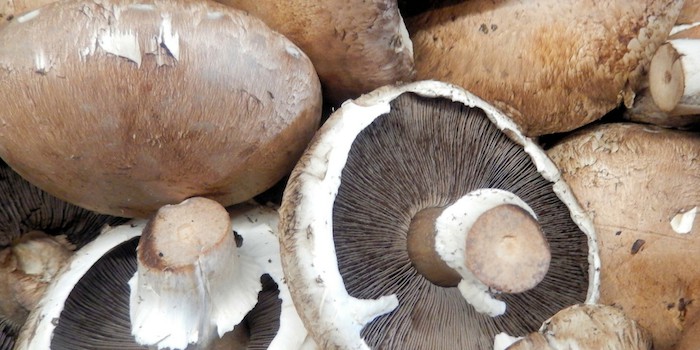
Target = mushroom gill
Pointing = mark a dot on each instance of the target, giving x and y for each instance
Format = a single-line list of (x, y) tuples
[(427, 153)]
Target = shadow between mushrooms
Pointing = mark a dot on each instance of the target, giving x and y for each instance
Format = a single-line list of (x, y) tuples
[(92, 304), (395, 159)]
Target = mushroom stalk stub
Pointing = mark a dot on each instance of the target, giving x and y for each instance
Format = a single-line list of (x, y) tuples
[(488, 240), (187, 270)]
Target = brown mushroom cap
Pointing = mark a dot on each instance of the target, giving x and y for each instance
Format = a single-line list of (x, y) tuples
[(356, 46), (550, 65), (640, 184), (152, 102)]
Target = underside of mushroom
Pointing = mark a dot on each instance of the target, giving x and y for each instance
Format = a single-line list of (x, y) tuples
[(400, 191)]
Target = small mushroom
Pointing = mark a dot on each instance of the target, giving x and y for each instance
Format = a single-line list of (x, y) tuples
[(589, 326), (170, 100), (390, 226), (355, 46), (208, 279), (550, 65), (640, 186)]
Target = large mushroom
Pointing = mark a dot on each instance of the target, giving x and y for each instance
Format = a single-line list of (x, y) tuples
[(356, 46), (640, 186), (189, 279), (385, 215), (136, 104), (550, 65)]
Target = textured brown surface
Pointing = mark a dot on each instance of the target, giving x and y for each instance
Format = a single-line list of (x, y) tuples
[(551, 65), (632, 180), (218, 105), (356, 46)]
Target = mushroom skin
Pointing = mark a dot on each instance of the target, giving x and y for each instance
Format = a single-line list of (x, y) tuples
[(163, 114), (11, 8), (550, 65), (307, 218), (355, 46), (587, 326), (640, 186)]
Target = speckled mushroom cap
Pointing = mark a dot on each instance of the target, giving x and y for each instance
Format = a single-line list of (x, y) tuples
[(640, 186), (87, 307), (550, 65), (349, 202), (137, 104), (356, 46)]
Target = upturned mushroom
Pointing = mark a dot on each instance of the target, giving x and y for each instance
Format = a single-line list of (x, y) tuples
[(421, 217), (162, 112), (355, 46), (586, 326), (192, 279), (550, 65), (640, 186)]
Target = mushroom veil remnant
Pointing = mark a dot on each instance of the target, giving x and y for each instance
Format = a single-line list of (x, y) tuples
[(163, 113), (189, 281), (421, 217)]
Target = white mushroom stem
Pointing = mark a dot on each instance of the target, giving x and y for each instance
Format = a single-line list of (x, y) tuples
[(489, 240), (190, 284), (674, 77)]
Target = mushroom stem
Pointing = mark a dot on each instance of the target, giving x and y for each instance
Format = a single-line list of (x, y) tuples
[(188, 276), (488, 240), (645, 110), (674, 76)]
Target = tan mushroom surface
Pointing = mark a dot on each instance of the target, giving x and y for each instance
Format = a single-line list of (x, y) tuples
[(11, 8), (551, 65), (137, 104), (640, 186), (587, 326), (356, 46)]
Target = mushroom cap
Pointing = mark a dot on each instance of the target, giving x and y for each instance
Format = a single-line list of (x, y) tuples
[(376, 162), (545, 63), (145, 109), (355, 46), (89, 302), (640, 186)]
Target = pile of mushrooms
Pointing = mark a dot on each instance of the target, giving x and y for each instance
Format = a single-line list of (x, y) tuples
[(513, 197)]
